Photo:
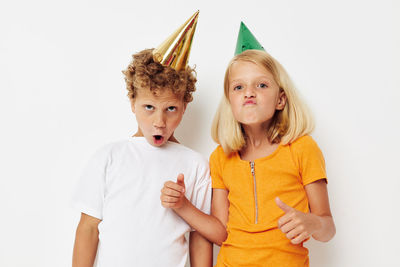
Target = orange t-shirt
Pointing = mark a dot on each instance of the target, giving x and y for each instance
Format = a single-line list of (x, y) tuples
[(254, 238)]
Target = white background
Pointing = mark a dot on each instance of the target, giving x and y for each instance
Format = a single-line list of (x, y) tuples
[(63, 96)]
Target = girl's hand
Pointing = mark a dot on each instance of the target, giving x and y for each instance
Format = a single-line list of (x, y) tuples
[(297, 225), (173, 193)]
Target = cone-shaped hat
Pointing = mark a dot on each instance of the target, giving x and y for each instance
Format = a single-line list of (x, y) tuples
[(175, 50), (246, 40)]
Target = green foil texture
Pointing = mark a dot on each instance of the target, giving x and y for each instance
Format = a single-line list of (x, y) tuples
[(246, 40)]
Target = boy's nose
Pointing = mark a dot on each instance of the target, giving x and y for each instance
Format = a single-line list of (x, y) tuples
[(159, 121)]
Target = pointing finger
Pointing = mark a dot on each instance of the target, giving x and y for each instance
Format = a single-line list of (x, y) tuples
[(289, 226), (298, 239), (287, 218), (174, 186), (166, 199), (170, 192)]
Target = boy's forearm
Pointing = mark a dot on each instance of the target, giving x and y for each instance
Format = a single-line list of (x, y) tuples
[(327, 230), (85, 248), (200, 251), (207, 225)]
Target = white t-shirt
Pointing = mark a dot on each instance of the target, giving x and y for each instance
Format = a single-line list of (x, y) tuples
[(121, 185)]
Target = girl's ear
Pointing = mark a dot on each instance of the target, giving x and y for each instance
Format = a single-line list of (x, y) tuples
[(281, 100)]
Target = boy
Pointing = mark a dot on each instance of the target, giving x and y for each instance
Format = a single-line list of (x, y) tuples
[(122, 220)]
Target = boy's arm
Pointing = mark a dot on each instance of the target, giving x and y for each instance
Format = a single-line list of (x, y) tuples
[(207, 225), (86, 241), (172, 196), (220, 205), (200, 250)]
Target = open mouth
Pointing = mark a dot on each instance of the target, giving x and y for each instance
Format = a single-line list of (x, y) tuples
[(158, 139)]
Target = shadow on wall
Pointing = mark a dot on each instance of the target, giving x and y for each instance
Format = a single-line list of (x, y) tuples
[(322, 254), (194, 129)]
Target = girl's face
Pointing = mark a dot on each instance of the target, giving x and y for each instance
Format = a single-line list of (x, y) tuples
[(253, 93)]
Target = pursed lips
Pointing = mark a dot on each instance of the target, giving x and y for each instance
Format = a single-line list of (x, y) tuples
[(249, 102)]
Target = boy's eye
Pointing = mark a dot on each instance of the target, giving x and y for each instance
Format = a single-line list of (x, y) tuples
[(262, 85), (172, 108), (148, 107), (237, 87)]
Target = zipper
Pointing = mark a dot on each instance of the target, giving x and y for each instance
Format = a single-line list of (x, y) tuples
[(255, 191)]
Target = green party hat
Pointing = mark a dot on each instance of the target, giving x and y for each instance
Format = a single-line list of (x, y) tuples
[(246, 40)]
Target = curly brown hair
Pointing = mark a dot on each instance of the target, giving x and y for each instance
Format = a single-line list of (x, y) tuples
[(144, 73)]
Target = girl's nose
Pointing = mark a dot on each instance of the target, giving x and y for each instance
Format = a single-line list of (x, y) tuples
[(249, 92)]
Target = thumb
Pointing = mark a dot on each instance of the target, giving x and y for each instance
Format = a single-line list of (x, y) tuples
[(282, 205), (180, 180)]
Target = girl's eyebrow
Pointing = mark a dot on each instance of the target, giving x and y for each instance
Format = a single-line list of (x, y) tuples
[(257, 78), (235, 81)]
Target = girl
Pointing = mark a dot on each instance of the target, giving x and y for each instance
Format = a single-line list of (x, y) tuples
[(268, 174)]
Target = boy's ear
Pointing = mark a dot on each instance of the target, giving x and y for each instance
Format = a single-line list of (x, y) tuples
[(132, 105), (281, 100), (184, 107)]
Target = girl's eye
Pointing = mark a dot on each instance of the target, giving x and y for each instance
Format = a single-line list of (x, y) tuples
[(171, 108), (262, 85), (237, 87), (149, 107)]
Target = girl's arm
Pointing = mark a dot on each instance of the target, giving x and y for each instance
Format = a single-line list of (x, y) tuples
[(173, 196), (200, 250), (298, 226), (318, 200), (86, 241)]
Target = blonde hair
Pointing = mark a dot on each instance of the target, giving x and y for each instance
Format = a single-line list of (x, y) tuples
[(288, 124)]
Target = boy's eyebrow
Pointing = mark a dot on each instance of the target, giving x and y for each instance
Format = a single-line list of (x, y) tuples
[(166, 103)]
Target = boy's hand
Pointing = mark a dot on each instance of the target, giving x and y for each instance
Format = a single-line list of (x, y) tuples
[(173, 193), (297, 225)]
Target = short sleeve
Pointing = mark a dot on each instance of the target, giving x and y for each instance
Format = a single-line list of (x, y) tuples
[(201, 196), (88, 196), (216, 168), (310, 160)]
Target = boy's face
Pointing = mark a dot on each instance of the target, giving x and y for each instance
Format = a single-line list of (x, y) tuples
[(157, 115)]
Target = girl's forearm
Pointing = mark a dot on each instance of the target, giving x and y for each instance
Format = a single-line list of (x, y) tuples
[(327, 229), (207, 225)]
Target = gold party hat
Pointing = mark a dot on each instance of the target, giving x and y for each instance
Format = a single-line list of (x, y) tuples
[(175, 50)]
